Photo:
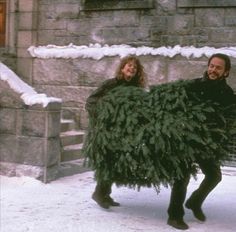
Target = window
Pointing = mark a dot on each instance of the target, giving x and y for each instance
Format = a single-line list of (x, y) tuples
[(2, 23), (206, 3), (91, 5)]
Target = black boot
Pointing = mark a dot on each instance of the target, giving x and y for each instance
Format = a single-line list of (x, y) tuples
[(197, 211), (102, 195), (102, 190), (111, 202), (101, 200), (177, 223)]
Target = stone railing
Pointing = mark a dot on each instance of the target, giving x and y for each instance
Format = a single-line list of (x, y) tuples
[(29, 133)]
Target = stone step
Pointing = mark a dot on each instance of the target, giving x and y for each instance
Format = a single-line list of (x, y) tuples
[(72, 137), (72, 152), (67, 125)]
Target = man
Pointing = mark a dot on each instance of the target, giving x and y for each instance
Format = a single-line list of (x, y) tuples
[(212, 86)]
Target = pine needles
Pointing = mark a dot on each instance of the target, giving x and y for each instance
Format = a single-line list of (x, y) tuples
[(150, 138)]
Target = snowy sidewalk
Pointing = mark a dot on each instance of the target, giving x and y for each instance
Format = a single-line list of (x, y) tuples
[(65, 205)]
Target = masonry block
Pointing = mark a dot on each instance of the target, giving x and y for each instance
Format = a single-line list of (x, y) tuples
[(23, 53), (230, 38), (78, 72), (8, 119), (31, 151), (8, 148), (209, 18), (185, 69), (52, 24), (67, 10), (53, 127), (72, 96), (180, 24), (155, 69), (9, 98), (27, 21), (32, 123), (28, 5), (25, 38), (24, 69), (38, 151)]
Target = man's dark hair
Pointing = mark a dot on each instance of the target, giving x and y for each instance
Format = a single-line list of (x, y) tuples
[(223, 57)]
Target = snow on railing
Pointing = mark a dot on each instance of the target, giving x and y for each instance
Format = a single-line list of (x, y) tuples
[(28, 94)]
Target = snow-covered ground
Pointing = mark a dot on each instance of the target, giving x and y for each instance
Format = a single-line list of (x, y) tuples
[(65, 205)]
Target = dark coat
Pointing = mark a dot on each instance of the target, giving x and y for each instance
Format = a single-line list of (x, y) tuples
[(215, 90), (98, 93), (219, 92), (102, 90)]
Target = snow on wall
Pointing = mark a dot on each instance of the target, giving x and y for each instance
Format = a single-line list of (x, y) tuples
[(97, 52)]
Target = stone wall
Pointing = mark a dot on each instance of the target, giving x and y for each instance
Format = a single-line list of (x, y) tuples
[(148, 22), (152, 23), (29, 137)]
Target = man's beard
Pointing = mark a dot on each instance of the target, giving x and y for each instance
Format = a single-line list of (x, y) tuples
[(215, 76)]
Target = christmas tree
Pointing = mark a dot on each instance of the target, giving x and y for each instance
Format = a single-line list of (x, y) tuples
[(142, 138)]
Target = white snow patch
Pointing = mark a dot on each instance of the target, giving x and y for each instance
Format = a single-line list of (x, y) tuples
[(97, 51), (28, 94)]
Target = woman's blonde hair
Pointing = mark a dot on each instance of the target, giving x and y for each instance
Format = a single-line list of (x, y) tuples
[(140, 75)]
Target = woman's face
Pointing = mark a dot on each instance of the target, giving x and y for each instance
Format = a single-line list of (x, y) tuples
[(129, 70)]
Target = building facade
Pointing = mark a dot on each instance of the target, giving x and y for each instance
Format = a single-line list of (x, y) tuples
[(151, 23)]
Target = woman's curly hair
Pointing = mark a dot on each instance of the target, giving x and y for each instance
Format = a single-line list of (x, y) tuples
[(140, 75)]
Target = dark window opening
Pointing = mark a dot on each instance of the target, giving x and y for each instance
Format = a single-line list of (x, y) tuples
[(205, 3), (91, 5)]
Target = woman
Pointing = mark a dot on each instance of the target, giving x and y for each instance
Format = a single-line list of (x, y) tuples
[(130, 72)]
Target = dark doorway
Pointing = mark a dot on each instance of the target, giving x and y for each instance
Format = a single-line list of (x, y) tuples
[(2, 23)]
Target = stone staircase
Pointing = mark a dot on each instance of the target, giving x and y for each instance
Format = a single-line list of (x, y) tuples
[(71, 140), (71, 149)]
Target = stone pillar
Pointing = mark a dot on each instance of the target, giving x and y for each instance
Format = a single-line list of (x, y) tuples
[(26, 36), (29, 141)]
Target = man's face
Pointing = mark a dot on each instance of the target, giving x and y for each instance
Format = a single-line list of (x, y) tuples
[(216, 69)]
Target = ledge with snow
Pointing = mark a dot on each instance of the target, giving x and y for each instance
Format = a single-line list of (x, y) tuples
[(29, 129), (72, 72), (97, 51), (84, 65)]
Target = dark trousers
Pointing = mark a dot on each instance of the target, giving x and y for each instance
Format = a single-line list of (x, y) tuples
[(213, 176), (177, 198), (103, 189)]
